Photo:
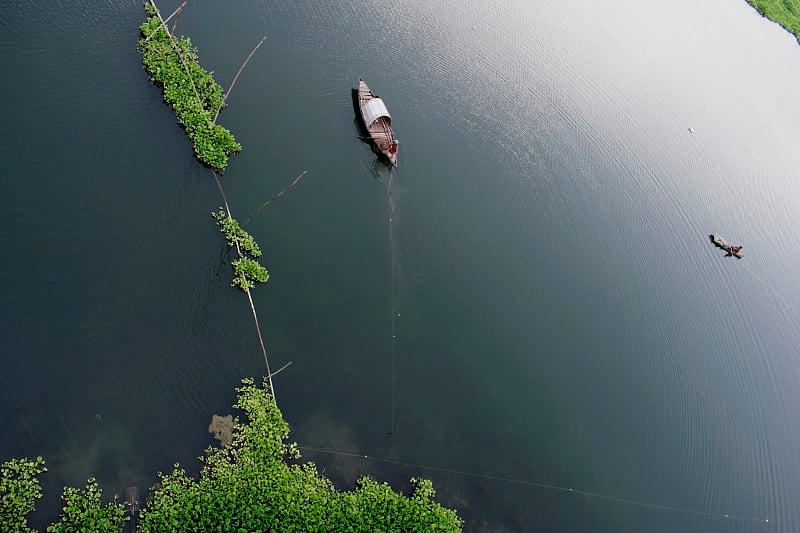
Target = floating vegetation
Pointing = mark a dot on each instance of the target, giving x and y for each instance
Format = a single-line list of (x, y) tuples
[(256, 484), (190, 90), (234, 233), (251, 483), (247, 271)]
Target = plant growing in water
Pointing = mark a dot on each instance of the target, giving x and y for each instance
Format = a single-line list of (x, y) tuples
[(235, 234), (190, 90), (250, 484), (247, 271), (83, 510), (19, 490)]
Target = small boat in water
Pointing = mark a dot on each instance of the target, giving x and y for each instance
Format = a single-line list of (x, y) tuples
[(378, 122), (719, 242)]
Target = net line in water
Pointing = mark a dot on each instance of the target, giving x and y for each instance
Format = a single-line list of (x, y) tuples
[(567, 490), (393, 303), (788, 308)]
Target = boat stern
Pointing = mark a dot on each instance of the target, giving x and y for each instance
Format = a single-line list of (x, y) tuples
[(391, 153)]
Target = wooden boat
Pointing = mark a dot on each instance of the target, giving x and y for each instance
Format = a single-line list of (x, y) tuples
[(378, 122), (719, 242)]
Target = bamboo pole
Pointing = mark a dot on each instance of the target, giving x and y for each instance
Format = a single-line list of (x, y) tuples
[(178, 11), (228, 92), (260, 339), (281, 369), (178, 51), (249, 297), (216, 176), (221, 192), (265, 204), (165, 21)]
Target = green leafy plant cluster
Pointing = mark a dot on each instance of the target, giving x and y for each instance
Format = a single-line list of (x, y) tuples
[(784, 12), (247, 271), (189, 89), (19, 490), (82, 510), (251, 484), (235, 234)]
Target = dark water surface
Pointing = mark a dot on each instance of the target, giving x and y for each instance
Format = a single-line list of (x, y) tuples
[(561, 319)]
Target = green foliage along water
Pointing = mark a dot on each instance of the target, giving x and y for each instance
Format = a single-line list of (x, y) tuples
[(246, 485), (784, 12), (247, 271), (249, 486), (19, 490), (189, 89), (82, 510)]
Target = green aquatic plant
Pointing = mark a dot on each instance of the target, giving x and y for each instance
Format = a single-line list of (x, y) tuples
[(248, 485), (251, 483), (19, 490), (235, 234), (192, 92), (247, 271), (83, 510)]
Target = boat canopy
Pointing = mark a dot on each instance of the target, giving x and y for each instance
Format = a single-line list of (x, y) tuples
[(373, 110)]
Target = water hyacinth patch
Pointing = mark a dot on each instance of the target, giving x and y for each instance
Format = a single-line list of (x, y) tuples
[(252, 482), (247, 271), (189, 89)]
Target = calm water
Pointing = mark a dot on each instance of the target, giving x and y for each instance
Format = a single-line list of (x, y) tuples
[(561, 319)]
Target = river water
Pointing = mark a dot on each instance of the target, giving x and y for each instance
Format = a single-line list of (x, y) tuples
[(542, 327)]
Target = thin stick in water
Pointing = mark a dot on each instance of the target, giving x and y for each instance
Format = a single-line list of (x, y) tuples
[(281, 368), (165, 21), (178, 11), (228, 92), (265, 204), (178, 51), (250, 299)]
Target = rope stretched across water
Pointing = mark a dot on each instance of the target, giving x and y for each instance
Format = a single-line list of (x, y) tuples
[(393, 306), (569, 490)]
